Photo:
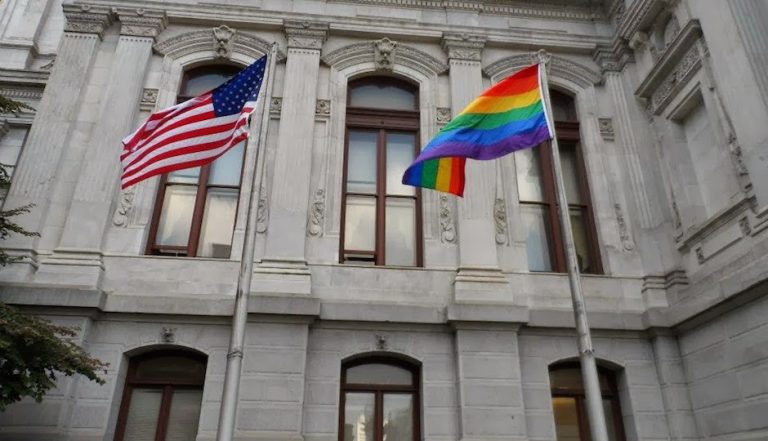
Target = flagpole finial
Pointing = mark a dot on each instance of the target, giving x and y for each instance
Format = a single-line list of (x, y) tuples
[(541, 57)]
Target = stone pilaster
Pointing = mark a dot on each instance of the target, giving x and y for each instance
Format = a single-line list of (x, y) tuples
[(39, 170), (18, 45), (85, 223), (479, 277), (489, 383), (283, 269), (751, 16), (674, 389)]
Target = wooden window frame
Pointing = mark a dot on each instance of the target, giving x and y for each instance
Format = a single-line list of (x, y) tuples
[(379, 390), (198, 212), (382, 121), (612, 394), (168, 386)]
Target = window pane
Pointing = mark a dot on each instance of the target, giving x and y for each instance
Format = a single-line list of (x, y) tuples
[(361, 163), (226, 169), (536, 223), (400, 152), (360, 224), (176, 217), (186, 176), (566, 418), (358, 417), (170, 368), (198, 83), (400, 239), (398, 417), (382, 96), (379, 373), (10, 146), (530, 185), (218, 222), (570, 173), (581, 240), (610, 420), (566, 379), (563, 106), (184, 415), (143, 414)]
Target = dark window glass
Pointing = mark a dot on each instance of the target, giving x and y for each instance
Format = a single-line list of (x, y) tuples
[(569, 403), (538, 202), (380, 401), (162, 397), (381, 218), (195, 208)]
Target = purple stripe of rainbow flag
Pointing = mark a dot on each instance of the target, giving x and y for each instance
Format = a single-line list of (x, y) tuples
[(507, 117)]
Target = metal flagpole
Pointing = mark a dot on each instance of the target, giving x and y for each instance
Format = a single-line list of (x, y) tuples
[(240, 315), (586, 351)]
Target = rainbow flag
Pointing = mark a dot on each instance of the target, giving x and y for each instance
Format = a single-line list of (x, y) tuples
[(507, 117)]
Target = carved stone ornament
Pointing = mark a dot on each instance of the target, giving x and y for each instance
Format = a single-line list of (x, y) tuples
[(626, 240), (746, 229), (447, 226), (688, 65), (638, 41), (381, 342), (87, 19), (305, 34), (204, 40), (500, 220), (606, 128), (141, 22), (49, 65), (223, 39), (700, 255), (317, 215), (677, 221), (148, 100), (734, 148), (384, 54), (358, 53), (443, 115), (276, 105), (120, 218), (168, 335), (463, 47), (262, 212), (323, 107), (558, 67)]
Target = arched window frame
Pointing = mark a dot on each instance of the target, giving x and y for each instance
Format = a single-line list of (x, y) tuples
[(198, 213), (385, 121), (168, 385), (610, 392), (379, 390)]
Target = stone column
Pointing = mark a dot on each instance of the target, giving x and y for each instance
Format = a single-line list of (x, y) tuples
[(18, 46), (96, 185), (284, 269), (39, 168), (489, 381), (674, 388), (479, 277)]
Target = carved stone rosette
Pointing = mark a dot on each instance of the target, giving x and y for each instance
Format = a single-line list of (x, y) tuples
[(317, 215), (447, 225), (305, 34)]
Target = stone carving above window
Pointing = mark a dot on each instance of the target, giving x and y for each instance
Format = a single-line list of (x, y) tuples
[(223, 37), (384, 53), (401, 54), (206, 41), (558, 67)]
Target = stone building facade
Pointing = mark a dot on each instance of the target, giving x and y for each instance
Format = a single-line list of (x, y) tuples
[(664, 106)]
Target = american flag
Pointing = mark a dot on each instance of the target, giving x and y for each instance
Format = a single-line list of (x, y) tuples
[(194, 132)]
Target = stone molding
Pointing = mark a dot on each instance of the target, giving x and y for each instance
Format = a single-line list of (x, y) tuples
[(87, 19), (558, 67), (205, 40), (606, 129), (306, 35), (641, 15), (500, 221), (463, 47), (613, 58), (142, 22), (359, 53), (681, 59)]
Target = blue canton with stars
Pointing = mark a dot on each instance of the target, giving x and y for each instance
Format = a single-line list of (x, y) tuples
[(230, 97)]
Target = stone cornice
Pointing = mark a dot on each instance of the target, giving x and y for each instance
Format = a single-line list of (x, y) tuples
[(205, 40), (141, 22), (403, 54), (305, 34), (87, 19), (463, 47), (613, 57), (26, 77), (640, 15), (559, 67)]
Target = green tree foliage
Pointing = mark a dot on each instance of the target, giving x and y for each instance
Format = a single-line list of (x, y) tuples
[(33, 351)]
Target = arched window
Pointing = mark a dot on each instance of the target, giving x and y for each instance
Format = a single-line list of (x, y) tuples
[(569, 403), (379, 401), (162, 397), (195, 208), (538, 201), (381, 218)]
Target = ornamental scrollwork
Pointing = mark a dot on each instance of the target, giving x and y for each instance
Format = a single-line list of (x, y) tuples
[(317, 215), (120, 218), (447, 226), (500, 221)]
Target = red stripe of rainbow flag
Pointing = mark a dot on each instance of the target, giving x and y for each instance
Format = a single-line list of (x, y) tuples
[(507, 117)]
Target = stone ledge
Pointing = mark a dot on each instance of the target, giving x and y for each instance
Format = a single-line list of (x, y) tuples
[(368, 312), (43, 295), (467, 312)]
